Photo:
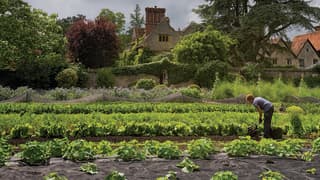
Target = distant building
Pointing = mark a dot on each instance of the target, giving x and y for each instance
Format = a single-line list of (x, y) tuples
[(158, 35)]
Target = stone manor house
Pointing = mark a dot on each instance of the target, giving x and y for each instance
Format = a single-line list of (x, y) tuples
[(158, 35)]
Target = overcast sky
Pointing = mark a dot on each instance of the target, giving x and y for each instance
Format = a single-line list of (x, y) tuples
[(179, 11)]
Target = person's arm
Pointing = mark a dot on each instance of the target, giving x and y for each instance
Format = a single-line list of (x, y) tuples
[(260, 113)]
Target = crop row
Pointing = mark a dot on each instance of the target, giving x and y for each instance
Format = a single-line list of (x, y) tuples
[(6, 108), (143, 124)]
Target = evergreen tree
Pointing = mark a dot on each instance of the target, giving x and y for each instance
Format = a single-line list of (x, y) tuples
[(136, 18)]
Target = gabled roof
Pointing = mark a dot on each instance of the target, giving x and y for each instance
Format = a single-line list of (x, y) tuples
[(299, 41)]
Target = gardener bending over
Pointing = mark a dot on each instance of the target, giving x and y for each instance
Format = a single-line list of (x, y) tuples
[(265, 106)]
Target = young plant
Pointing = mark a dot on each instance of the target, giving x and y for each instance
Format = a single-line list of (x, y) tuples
[(269, 147), (271, 175), (54, 176), (316, 145), (35, 153), (312, 171), (224, 175), (57, 147), (115, 175), (151, 147), (89, 168), (130, 152), (169, 150), (241, 147), (307, 156), (79, 150), (104, 148), (200, 149), (170, 176), (188, 166), (5, 151)]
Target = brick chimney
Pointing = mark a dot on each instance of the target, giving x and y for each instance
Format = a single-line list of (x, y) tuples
[(317, 28), (153, 17)]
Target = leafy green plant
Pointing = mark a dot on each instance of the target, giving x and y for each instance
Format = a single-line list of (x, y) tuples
[(57, 147), (316, 145), (21, 131), (115, 175), (200, 149), (271, 175), (5, 151), (296, 125), (291, 147), (170, 176), (129, 152), (89, 168), (105, 78), (151, 147), (295, 110), (54, 176), (104, 148), (312, 171), (79, 150), (307, 156), (146, 84), (269, 147), (241, 147), (169, 150), (52, 130), (224, 175), (188, 166), (35, 153), (67, 78)]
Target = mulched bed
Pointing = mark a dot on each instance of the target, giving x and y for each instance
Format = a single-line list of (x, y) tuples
[(246, 168)]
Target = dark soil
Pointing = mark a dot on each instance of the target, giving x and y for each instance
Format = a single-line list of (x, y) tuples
[(150, 169)]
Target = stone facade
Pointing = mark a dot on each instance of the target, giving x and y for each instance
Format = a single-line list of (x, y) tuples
[(158, 35)]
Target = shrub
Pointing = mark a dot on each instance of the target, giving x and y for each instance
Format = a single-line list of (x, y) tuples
[(296, 125), (67, 78), (195, 86), (251, 72), (146, 84), (206, 74), (105, 78), (295, 109), (191, 92), (224, 175), (35, 153)]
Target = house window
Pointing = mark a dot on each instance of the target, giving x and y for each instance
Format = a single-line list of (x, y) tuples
[(289, 62), (274, 61), (301, 62), (163, 38), (315, 61), (307, 49)]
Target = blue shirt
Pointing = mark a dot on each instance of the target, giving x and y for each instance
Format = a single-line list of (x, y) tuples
[(262, 103)]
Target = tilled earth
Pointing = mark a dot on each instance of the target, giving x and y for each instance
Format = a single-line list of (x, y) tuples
[(245, 168)]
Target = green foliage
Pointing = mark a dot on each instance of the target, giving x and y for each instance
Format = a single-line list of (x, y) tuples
[(5, 151), (35, 153), (224, 175), (54, 176), (104, 148), (116, 18), (295, 110), (206, 74), (151, 147), (170, 176), (136, 19), (115, 175), (57, 147), (79, 150), (105, 78), (21, 131), (202, 47), (52, 130), (130, 152), (312, 171), (251, 72), (146, 84), (269, 147), (67, 78), (307, 156), (191, 92), (316, 145), (241, 147), (200, 149), (169, 150), (271, 175), (188, 166), (296, 125), (89, 168)]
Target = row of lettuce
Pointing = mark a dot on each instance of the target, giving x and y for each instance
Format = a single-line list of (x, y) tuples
[(150, 124), (38, 153)]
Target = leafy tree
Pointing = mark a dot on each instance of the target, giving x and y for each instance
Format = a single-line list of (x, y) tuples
[(30, 38), (253, 23), (202, 47), (117, 18), (93, 43), (136, 18), (65, 23)]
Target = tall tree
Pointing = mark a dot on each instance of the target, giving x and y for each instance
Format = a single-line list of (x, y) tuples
[(254, 22), (93, 43), (117, 18), (137, 20), (65, 23)]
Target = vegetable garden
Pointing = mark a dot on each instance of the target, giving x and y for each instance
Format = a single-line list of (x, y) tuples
[(163, 141)]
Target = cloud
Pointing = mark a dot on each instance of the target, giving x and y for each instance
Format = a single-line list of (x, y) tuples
[(179, 11)]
